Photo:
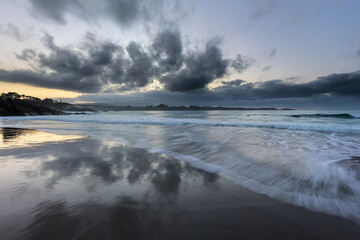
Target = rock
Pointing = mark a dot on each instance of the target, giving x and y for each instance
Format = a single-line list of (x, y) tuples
[(19, 107)]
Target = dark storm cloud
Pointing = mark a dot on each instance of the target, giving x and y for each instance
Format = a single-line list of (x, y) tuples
[(94, 59), (124, 11), (102, 66), (338, 84), (58, 81), (331, 91), (192, 70), (343, 84), (167, 49), (61, 59), (241, 63), (216, 98), (103, 55), (95, 65), (86, 69), (141, 70), (200, 69)]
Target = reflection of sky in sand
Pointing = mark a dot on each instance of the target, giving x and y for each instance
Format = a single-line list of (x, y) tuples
[(18, 138), (89, 188), (40, 170)]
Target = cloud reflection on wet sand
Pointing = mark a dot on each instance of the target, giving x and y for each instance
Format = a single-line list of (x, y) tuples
[(89, 188)]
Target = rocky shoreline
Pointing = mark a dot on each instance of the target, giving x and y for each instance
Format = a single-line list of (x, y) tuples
[(13, 104)]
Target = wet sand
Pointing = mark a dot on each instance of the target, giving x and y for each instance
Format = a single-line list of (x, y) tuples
[(75, 187)]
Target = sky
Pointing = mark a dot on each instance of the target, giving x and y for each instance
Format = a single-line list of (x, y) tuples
[(301, 54)]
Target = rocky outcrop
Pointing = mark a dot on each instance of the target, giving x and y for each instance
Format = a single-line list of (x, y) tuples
[(10, 106)]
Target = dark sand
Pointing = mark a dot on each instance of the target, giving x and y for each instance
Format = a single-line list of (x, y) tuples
[(72, 187)]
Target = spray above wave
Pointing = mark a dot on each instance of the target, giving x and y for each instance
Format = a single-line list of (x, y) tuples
[(339, 115)]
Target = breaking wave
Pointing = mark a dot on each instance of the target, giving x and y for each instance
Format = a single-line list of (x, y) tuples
[(340, 115), (141, 120)]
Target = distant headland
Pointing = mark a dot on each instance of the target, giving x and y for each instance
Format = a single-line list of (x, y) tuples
[(14, 104)]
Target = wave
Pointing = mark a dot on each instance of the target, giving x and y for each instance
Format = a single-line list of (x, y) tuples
[(304, 179), (339, 115), (101, 119)]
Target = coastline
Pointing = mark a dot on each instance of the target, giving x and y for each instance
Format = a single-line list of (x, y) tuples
[(80, 187)]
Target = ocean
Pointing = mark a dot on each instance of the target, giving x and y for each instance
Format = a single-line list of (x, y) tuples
[(309, 159)]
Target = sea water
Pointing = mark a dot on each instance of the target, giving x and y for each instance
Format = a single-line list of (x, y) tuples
[(305, 158)]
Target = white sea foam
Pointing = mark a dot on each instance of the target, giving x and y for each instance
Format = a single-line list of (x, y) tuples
[(140, 120)]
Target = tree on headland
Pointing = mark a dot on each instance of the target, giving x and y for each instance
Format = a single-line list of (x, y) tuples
[(14, 104), (15, 95)]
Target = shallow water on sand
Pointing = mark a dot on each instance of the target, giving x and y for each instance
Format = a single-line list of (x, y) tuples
[(305, 158), (77, 187), (49, 182)]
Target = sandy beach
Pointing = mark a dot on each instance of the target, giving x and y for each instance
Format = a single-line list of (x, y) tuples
[(179, 120), (75, 187)]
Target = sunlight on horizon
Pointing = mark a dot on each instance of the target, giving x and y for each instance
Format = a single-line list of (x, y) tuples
[(37, 91)]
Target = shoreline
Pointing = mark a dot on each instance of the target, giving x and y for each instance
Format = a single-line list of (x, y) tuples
[(90, 188)]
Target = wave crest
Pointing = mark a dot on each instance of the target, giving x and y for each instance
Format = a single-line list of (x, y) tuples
[(339, 115)]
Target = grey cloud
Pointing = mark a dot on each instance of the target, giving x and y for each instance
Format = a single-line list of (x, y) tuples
[(96, 61), (100, 54), (270, 53), (123, 12), (338, 84), (233, 83), (241, 63), (141, 70), (58, 81), (86, 70), (48, 41), (343, 84), (200, 68), (263, 8), (97, 66), (154, 97), (223, 98), (358, 53), (62, 60), (167, 49), (266, 68), (26, 55), (13, 31), (291, 78), (103, 55), (331, 91), (273, 52), (53, 9), (338, 89)]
